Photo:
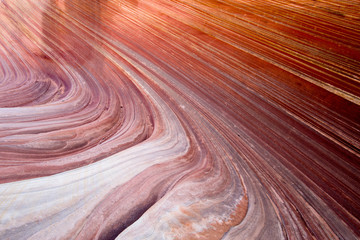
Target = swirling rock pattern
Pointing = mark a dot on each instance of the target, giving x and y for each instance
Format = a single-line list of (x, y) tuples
[(179, 119)]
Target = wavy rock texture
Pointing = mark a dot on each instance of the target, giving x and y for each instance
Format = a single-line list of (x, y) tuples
[(179, 119)]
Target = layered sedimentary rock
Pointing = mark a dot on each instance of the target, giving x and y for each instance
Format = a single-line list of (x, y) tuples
[(179, 119)]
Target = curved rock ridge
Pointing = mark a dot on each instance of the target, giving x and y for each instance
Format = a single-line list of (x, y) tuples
[(179, 119)]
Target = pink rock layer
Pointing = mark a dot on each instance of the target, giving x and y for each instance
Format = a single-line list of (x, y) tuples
[(179, 119)]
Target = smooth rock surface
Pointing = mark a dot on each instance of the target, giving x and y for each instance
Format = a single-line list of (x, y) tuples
[(179, 119)]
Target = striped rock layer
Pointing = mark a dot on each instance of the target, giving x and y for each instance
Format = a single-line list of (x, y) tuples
[(179, 119)]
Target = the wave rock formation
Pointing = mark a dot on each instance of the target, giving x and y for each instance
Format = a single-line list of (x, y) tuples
[(179, 119)]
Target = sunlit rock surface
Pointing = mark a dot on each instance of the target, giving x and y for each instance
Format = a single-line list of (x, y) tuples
[(179, 119)]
